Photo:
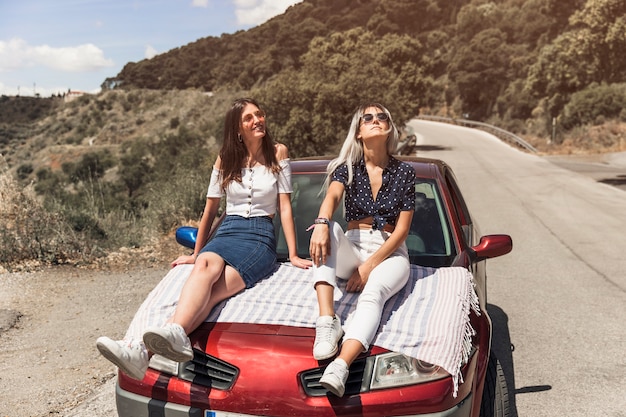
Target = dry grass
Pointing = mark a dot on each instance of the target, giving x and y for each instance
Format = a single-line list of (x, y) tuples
[(605, 138), (32, 235), (29, 235)]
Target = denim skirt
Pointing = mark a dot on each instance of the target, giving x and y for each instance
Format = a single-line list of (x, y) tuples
[(246, 244)]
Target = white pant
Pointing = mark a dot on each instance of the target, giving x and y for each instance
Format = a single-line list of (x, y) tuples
[(389, 277)]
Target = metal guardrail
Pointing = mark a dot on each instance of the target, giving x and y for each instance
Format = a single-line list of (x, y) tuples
[(496, 131), (407, 146)]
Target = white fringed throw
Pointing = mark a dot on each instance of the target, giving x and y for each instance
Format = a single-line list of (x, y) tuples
[(428, 319)]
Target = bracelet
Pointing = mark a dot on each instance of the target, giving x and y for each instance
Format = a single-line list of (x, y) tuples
[(319, 220)]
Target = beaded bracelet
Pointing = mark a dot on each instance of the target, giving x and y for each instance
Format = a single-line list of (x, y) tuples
[(319, 220)]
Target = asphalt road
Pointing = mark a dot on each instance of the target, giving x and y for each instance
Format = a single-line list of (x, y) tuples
[(604, 168), (558, 301)]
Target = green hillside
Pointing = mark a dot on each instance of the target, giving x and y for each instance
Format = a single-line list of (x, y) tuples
[(503, 61), (123, 168)]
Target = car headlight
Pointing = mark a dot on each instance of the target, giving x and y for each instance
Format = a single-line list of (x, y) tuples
[(395, 369), (163, 364)]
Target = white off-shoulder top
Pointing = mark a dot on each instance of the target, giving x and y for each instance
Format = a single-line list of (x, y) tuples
[(257, 193)]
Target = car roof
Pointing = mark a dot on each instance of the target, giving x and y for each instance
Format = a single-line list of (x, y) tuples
[(424, 167)]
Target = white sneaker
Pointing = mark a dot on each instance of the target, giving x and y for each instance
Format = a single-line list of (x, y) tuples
[(335, 377), (130, 357), (328, 331), (169, 341)]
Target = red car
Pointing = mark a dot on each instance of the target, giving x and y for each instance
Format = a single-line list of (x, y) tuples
[(259, 369)]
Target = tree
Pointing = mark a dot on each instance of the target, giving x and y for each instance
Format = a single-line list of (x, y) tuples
[(602, 26), (404, 16), (591, 51), (310, 108), (474, 18), (135, 170), (90, 167), (481, 71)]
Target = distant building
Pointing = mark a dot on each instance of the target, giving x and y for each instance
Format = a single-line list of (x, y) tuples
[(72, 95)]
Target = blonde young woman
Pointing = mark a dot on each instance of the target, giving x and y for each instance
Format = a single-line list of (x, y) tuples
[(254, 174), (379, 194)]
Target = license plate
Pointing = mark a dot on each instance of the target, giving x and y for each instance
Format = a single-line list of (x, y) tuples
[(209, 413)]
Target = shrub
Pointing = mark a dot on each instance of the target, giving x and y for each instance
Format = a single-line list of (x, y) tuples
[(30, 232), (178, 200), (597, 101), (24, 170), (91, 166)]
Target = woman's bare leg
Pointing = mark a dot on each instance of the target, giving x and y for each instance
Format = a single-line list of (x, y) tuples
[(325, 300), (210, 282), (350, 350)]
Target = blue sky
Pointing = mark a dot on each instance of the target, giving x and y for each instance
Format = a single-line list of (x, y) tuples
[(49, 47)]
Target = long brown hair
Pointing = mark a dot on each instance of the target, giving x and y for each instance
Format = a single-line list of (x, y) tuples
[(233, 152)]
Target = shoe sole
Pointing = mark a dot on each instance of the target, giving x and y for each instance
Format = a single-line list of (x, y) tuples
[(331, 388), (156, 343), (131, 371), (327, 356)]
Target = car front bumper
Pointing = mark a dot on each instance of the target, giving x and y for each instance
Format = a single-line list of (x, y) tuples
[(130, 404)]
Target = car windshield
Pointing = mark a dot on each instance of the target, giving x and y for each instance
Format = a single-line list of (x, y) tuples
[(429, 241)]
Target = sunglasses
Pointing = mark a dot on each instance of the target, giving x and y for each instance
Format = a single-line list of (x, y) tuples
[(369, 118)]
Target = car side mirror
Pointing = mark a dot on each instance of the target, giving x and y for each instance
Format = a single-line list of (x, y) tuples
[(186, 236), (491, 246)]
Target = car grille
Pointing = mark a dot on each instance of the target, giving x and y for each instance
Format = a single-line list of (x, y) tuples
[(208, 371), (357, 380)]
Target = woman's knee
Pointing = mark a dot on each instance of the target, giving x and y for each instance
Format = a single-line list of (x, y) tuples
[(374, 297), (208, 265), (381, 287)]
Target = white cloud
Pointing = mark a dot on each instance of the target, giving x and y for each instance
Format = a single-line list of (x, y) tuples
[(200, 3), (8, 91), (255, 12), (150, 52), (17, 54)]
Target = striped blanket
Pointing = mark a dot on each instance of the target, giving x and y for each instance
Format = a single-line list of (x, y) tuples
[(428, 319)]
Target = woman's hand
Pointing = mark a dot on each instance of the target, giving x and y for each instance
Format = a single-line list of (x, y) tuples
[(300, 263), (319, 245), (358, 279), (184, 259)]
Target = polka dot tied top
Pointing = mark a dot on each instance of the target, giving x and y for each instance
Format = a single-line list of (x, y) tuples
[(396, 194)]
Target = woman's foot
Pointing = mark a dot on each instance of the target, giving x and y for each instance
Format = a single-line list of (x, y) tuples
[(169, 341), (335, 377), (328, 332), (130, 357)]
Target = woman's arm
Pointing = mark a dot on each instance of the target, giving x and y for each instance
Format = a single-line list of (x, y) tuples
[(208, 217), (289, 229), (319, 247), (285, 211), (206, 221)]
